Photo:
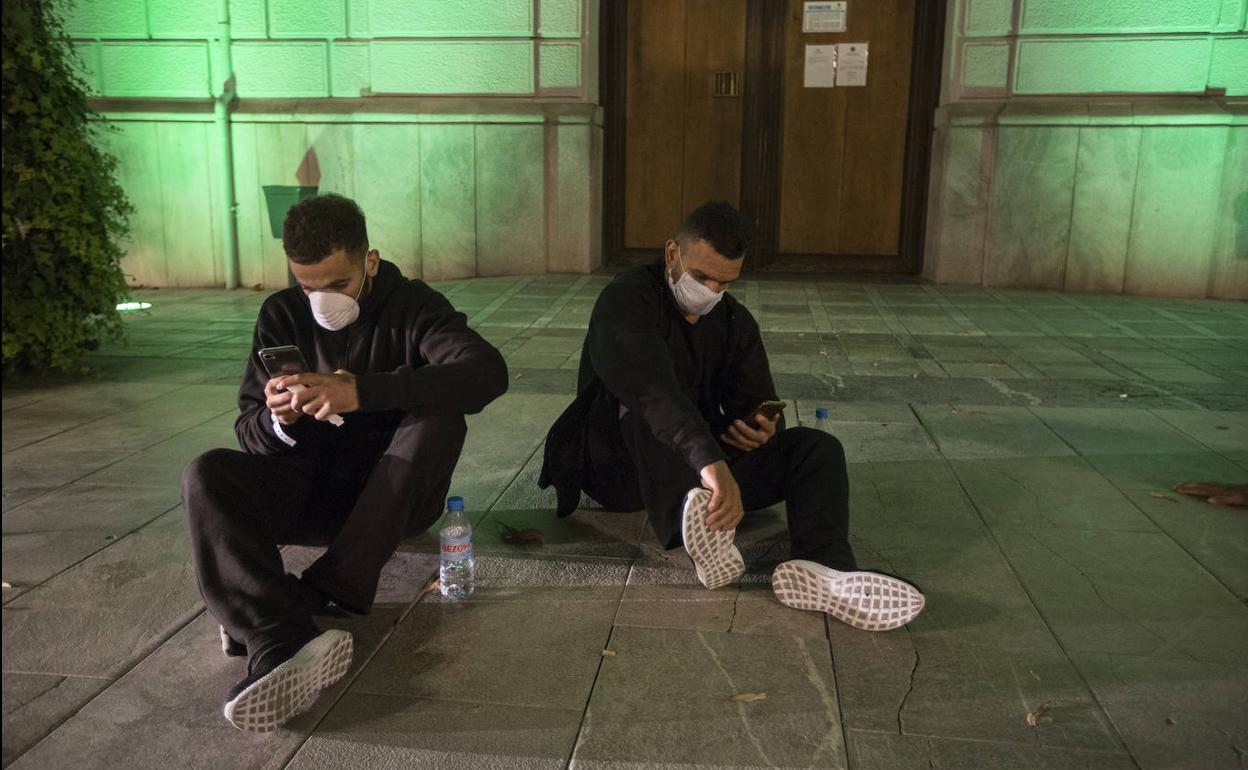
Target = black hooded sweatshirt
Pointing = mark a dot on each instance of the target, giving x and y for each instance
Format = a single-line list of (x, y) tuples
[(686, 381), (410, 351)]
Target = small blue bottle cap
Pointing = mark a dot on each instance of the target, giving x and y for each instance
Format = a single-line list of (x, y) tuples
[(821, 413), (455, 503)]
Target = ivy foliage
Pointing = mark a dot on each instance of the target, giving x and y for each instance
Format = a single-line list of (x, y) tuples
[(64, 213)]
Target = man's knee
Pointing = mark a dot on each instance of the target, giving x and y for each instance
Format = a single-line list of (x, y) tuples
[(820, 446), (201, 472), (439, 427)]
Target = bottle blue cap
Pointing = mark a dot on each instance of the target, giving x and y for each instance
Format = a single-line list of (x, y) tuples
[(821, 413), (455, 503)]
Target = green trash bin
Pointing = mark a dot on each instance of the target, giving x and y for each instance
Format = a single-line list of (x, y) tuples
[(280, 198)]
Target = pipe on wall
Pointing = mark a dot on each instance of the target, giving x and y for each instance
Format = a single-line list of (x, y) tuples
[(229, 236)]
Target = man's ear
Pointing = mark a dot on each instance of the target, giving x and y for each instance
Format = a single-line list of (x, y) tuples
[(372, 262)]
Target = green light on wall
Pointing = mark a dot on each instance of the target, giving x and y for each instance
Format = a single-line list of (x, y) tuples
[(130, 307)]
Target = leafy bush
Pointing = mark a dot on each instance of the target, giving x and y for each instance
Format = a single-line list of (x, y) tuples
[(64, 214)]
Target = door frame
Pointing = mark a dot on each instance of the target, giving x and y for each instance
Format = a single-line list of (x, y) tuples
[(763, 96)]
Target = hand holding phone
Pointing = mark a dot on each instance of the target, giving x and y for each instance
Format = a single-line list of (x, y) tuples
[(770, 409), (283, 360)]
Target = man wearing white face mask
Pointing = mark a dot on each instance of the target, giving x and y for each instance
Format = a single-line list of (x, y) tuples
[(672, 373), (401, 368)]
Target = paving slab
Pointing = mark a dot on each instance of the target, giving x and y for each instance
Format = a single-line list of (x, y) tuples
[(968, 432), (1127, 593), (541, 654), (1216, 430), (870, 750), (108, 612), (661, 683), (1172, 711), (1061, 492), (166, 712), (384, 731), (1115, 431), (35, 704), (82, 506)]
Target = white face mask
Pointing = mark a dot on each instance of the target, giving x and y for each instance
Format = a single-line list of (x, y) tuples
[(334, 310), (692, 297)]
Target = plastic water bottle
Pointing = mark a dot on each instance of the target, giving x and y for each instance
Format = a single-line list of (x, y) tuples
[(457, 572), (821, 420)]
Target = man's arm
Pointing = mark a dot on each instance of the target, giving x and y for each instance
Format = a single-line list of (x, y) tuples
[(462, 375), (631, 357), (748, 382), (255, 427)]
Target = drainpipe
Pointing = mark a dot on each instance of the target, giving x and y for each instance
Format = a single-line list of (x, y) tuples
[(221, 111)]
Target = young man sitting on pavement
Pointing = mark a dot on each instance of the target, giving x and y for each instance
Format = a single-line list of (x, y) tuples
[(406, 369), (666, 418)]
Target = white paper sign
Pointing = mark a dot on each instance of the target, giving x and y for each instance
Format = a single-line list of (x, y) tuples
[(820, 66), (851, 64), (823, 17)]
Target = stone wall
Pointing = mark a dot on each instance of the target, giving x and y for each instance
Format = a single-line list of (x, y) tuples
[(1098, 147), (467, 130)]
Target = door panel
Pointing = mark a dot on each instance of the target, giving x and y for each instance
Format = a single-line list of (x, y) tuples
[(844, 148), (716, 43), (654, 140)]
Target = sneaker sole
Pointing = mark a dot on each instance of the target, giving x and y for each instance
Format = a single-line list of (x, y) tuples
[(717, 560), (865, 600), (294, 686)]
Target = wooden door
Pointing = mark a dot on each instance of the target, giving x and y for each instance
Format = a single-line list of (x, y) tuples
[(843, 148), (834, 179), (683, 143)]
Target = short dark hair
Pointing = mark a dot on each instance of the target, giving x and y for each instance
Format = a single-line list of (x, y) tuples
[(720, 225), (318, 226)]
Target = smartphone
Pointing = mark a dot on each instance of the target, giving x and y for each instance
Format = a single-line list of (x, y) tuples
[(283, 359), (770, 409)]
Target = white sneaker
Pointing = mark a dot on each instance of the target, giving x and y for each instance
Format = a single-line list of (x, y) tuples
[(717, 560), (263, 703), (867, 600)]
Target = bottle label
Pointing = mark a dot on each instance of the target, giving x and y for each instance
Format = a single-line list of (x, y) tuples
[(456, 548)]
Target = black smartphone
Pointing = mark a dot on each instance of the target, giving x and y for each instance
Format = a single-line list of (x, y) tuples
[(770, 409), (282, 360)]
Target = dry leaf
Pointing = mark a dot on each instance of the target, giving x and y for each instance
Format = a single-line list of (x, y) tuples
[(519, 375), (6, 584), (513, 536), (608, 653), (429, 588), (748, 697), (1033, 716)]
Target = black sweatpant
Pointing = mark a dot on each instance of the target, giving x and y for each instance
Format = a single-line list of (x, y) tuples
[(803, 467), (243, 506)]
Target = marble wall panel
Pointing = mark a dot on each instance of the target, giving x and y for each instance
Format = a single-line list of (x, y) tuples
[(387, 187), (511, 217), (955, 247), (1229, 278), (448, 191), (1101, 216), (575, 215), (1173, 225), (1029, 227)]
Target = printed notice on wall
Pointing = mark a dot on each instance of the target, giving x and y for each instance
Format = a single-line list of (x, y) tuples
[(820, 66), (851, 64), (823, 17)]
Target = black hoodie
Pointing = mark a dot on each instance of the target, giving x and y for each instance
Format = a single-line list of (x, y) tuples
[(686, 381), (411, 352)]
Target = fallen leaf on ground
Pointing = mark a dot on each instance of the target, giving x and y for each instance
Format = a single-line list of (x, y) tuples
[(748, 697), (519, 375), (1033, 716), (513, 536), (1162, 496), (608, 653), (429, 588), (6, 584)]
